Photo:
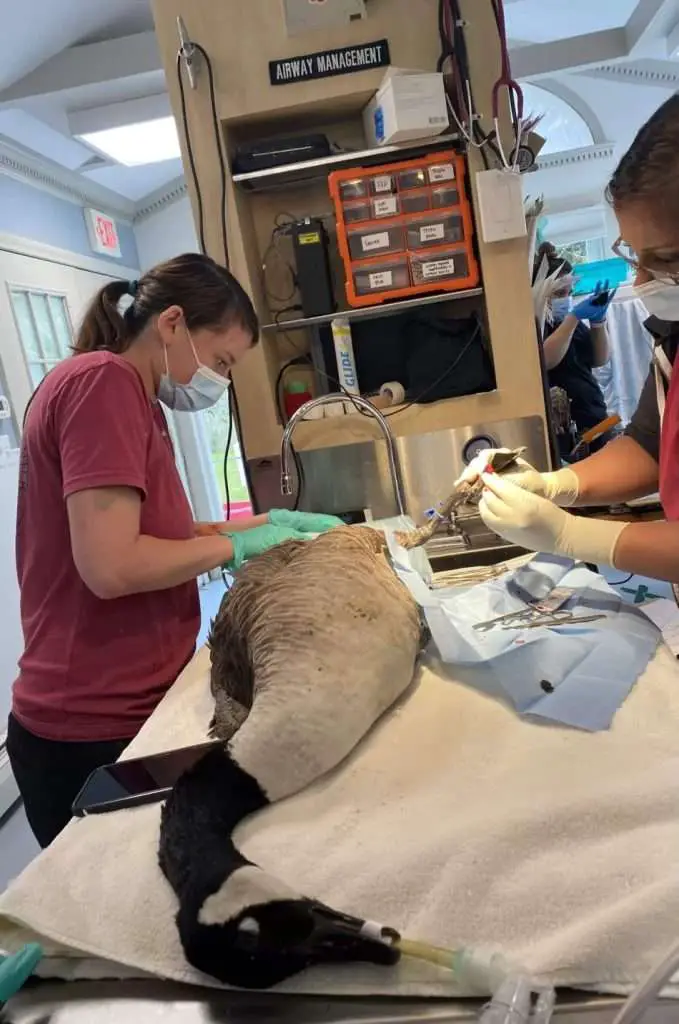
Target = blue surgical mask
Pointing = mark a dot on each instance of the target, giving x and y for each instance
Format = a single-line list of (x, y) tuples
[(562, 306), (204, 389)]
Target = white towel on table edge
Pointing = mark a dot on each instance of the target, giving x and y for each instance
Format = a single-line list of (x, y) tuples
[(455, 821)]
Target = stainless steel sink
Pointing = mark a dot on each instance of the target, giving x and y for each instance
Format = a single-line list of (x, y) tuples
[(472, 545), (467, 558)]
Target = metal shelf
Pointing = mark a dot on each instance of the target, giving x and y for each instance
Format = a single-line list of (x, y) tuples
[(310, 170), (372, 312)]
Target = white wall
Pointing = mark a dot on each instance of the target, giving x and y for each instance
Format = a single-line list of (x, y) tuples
[(574, 193), (621, 108), (165, 234)]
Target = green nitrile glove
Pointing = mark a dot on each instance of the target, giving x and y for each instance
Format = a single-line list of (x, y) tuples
[(249, 543), (305, 522)]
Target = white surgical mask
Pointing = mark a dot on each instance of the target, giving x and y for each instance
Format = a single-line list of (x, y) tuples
[(561, 307), (204, 389), (660, 299)]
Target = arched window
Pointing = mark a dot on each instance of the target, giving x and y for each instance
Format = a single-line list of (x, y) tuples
[(562, 126)]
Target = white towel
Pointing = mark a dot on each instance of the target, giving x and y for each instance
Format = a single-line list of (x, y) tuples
[(455, 821)]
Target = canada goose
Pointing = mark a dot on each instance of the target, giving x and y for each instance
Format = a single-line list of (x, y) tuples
[(313, 643)]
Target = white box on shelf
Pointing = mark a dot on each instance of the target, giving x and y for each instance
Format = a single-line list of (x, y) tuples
[(408, 105)]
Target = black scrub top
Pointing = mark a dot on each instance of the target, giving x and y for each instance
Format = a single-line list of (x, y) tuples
[(574, 375)]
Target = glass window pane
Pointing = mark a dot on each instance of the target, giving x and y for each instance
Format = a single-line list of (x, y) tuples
[(61, 324), (24, 322), (48, 341), (37, 371), (217, 419)]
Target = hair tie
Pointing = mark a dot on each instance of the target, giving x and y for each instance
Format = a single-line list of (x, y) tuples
[(132, 288)]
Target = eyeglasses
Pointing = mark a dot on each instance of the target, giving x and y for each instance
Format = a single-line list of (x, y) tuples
[(660, 269)]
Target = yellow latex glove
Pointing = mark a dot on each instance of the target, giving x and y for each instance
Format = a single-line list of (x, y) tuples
[(561, 487), (535, 523)]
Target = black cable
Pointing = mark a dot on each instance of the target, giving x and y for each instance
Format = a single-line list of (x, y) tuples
[(225, 468), (455, 49), (216, 126), (234, 414), (190, 153), (441, 377)]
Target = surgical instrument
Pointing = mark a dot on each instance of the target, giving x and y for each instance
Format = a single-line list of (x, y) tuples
[(557, 619), (464, 494), (533, 617)]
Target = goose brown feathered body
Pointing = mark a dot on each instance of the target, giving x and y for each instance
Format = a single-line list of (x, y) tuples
[(314, 642)]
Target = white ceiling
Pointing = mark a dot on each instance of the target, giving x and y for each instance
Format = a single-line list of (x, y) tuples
[(96, 63), (562, 19), (39, 29)]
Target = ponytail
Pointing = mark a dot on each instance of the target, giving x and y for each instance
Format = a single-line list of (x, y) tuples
[(104, 327), (208, 294)]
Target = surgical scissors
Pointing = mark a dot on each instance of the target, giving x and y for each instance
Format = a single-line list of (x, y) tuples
[(534, 618), (564, 618), (525, 614)]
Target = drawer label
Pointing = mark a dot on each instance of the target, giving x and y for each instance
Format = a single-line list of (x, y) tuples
[(387, 207), (438, 268), (432, 232), (380, 240), (382, 279), (382, 183), (442, 172)]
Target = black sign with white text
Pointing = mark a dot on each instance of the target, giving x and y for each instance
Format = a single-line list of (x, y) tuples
[(343, 61)]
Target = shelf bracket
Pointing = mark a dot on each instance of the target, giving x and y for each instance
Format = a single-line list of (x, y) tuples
[(187, 50)]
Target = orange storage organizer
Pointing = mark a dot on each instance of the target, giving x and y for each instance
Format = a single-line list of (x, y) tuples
[(404, 229)]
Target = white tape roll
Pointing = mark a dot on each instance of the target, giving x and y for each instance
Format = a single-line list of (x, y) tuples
[(394, 391)]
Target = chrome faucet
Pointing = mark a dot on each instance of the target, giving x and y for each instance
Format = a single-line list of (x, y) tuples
[(365, 406)]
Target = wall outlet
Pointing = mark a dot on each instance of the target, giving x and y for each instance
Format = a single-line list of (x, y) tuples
[(501, 211)]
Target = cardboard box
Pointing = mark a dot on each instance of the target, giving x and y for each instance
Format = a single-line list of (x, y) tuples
[(408, 105)]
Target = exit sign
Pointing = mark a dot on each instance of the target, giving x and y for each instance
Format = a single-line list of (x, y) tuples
[(103, 233)]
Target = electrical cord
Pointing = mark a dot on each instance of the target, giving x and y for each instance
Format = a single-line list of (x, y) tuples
[(439, 379), (219, 145), (281, 228), (190, 153), (234, 415), (454, 63)]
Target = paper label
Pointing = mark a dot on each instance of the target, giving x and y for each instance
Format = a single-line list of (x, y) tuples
[(377, 241), (381, 280), (385, 207), (382, 183), (432, 232), (438, 268), (442, 172)]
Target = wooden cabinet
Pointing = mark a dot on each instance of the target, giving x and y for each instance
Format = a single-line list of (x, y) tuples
[(240, 39)]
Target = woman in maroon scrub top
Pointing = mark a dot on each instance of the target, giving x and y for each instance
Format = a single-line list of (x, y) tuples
[(107, 549), (644, 192)]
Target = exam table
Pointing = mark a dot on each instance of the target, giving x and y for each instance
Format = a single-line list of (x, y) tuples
[(140, 1002), (465, 857)]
